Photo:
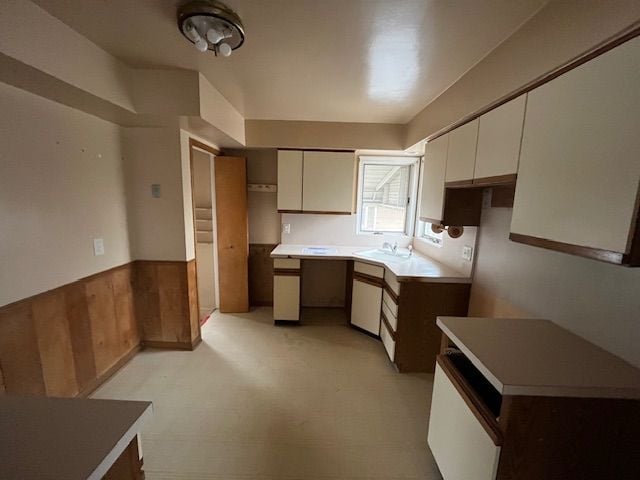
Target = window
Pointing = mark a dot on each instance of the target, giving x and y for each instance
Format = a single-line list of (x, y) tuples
[(387, 190), (430, 234)]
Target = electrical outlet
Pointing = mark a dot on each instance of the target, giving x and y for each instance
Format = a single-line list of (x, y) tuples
[(467, 253), (155, 190), (286, 228), (98, 246)]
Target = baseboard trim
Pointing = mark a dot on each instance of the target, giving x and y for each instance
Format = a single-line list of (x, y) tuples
[(159, 344), (97, 383), (282, 323)]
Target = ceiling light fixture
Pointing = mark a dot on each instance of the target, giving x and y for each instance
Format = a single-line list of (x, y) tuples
[(211, 25)]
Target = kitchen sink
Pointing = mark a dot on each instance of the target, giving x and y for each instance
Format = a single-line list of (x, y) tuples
[(385, 255)]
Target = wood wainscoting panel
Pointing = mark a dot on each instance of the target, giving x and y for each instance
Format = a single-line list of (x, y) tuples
[(102, 315), (127, 326), (194, 304), (260, 274), (54, 343), (174, 303), (166, 305), (67, 341), (19, 354), (233, 233), (77, 309)]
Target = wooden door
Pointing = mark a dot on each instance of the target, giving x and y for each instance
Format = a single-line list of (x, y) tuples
[(233, 233)]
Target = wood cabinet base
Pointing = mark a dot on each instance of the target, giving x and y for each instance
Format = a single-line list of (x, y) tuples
[(128, 466)]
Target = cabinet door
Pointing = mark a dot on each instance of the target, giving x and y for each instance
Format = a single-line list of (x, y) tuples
[(328, 182), (286, 297), (461, 158), (290, 180), (433, 173), (499, 136), (579, 168), (459, 443), (366, 301)]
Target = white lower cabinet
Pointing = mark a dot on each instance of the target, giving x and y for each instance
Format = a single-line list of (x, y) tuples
[(286, 297), (366, 301), (462, 448)]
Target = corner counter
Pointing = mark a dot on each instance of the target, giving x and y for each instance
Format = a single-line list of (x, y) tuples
[(70, 439)]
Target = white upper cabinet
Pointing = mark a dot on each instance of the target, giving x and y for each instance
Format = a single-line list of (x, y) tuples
[(580, 161), (499, 136), (328, 182), (433, 174), (290, 180), (461, 158)]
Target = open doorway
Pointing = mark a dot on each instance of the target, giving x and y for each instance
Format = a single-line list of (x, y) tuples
[(204, 223)]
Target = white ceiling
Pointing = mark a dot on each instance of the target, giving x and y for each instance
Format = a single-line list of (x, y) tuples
[(319, 60)]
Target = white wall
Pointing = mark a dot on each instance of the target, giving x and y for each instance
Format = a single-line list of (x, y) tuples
[(156, 225), (450, 253), (61, 186), (309, 229), (597, 301), (560, 31)]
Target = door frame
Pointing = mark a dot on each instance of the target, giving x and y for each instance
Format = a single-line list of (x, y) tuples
[(195, 144)]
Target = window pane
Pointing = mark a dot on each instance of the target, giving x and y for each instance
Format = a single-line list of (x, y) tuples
[(385, 189)]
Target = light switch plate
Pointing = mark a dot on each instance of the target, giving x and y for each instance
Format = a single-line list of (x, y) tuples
[(98, 246), (486, 198), (155, 190), (467, 253), (286, 228)]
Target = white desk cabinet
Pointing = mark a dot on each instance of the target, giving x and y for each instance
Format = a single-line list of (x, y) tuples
[(577, 185), (290, 180), (499, 135), (286, 290), (433, 177), (328, 182)]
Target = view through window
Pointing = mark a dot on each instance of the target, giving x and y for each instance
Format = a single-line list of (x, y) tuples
[(385, 197)]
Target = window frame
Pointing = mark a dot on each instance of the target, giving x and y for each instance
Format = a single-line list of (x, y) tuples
[(425, 234), (411, 161)]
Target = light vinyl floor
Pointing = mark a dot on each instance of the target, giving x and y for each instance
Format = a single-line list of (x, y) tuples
[(253, 401)]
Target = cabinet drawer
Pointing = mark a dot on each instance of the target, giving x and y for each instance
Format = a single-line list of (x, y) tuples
[(391, 317), (286, 263), (387, 340), (390, 279), (368, 269), (460, 445), (388, 299)]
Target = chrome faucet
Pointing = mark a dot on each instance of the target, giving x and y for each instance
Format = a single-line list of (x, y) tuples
[(388, 246)]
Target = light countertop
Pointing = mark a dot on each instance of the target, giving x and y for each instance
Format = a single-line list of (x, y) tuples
[(539, 358), (416, 268), (56, 438)]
